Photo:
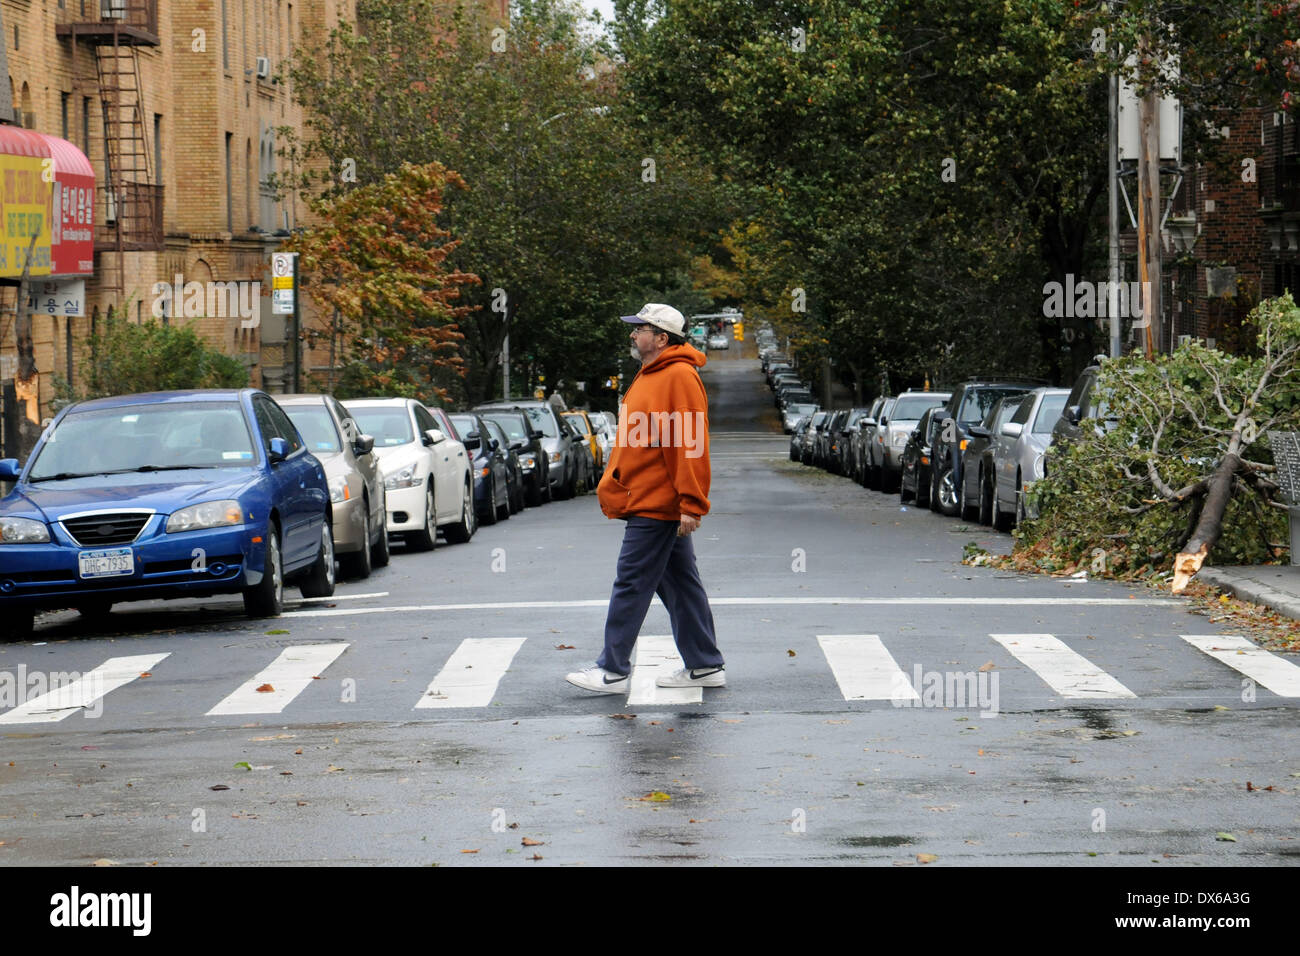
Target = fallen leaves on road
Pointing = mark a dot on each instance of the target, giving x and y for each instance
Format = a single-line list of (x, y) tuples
[(564, 647), (298, 752), (1251, 788), (469, 851), (655, 796), (218, 786), (926, 858), (243, 765), (105, 862), (266, 689), (334, 769), (1225, 838), (527, 842), (535, 856), (276, 737), (622, 716), (146, 674), (987, 667), (792, 654)]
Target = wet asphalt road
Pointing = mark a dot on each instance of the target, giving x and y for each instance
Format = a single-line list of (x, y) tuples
[(436, 727)]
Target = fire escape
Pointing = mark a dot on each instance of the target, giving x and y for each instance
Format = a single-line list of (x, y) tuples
[(129, 205)]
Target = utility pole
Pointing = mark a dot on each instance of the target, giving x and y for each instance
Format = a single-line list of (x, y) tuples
[(1112, 166), (1149, 214)]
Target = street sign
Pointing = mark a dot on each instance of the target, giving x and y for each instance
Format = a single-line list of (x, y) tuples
[(59, 297), (282, 288)]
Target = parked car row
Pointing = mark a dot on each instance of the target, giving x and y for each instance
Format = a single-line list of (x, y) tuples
[(974, 452), (204, 492)]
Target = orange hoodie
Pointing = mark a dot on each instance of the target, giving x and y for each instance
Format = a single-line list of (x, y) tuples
[(659, 467)]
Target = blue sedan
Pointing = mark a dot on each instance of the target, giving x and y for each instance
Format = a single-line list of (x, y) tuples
[(164, 495)]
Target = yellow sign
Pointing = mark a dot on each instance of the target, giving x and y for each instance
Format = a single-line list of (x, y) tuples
[(281, 282), (25, 199)]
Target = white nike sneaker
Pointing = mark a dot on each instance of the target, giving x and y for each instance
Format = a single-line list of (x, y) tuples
[(697, 677), (599, 680)]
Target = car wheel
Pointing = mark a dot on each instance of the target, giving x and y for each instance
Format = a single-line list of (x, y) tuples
[(947, 498), (359, 565), (319, 580), (903, 496), (967, 509), (986, 502), (503, 512), (489, 515), (1021, 516), (1002, 520), (546, 495), (794, 454), (380, 554), (17, 624), (463, 530), (427, 537), (923, 487), (266, 599)]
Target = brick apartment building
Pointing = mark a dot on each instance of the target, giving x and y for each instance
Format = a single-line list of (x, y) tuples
[(175, 104)]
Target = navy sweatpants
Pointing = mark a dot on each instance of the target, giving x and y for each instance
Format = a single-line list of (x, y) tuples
[(655, 560)]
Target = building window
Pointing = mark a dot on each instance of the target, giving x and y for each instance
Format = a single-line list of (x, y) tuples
[(64, 100), (225, 34), (85, 125), (15, 36), (157, 148)]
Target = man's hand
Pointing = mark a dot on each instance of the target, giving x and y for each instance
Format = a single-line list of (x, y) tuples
[(689, 523)]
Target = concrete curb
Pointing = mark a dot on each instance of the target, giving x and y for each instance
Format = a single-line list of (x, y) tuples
[(1242, 583)]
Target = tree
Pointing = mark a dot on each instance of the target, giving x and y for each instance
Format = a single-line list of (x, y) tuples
[(378, 263), (126, 358), (570, 210), (1181, 470)]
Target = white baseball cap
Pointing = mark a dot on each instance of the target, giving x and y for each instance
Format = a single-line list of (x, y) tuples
[(661, 316)]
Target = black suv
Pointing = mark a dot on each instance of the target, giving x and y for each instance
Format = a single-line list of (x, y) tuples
[(967, 406), (526, 441)]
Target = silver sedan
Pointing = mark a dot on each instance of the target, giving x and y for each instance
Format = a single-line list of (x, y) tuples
[(1017, 453)]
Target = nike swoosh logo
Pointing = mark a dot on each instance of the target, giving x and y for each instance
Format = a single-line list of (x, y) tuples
[(697, 676), (614, 681)]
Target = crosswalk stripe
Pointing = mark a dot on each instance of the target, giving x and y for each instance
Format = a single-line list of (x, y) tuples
[(287, 676), (83, 692), (472, 673), (1278, 675), (1068, 673), (655, 655), (864, 669)]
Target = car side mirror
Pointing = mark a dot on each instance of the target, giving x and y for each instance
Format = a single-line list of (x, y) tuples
[(363, 445), (10, 469), (279, 450), (884, 420), (979, 431), (517, 444), (866, 423), (433, 435), (1012, 429), (1071, 414), (534, 434)]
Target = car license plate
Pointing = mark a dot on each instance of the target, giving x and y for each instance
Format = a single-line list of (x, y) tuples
[(106, 564)]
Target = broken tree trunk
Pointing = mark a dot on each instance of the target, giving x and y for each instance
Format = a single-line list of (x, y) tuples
[(1210, 524)]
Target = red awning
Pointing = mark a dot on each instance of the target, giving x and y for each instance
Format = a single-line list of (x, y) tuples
[(16, 141), (67, 158)]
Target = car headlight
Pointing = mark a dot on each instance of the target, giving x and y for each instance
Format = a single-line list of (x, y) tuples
[(1038, 467), (210, 514), (527, 462), (23, 531), (339, 490), (898, 439), (555, 457), (406, 478)]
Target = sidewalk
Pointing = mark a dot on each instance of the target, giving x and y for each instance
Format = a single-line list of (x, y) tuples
[(1277, 586)]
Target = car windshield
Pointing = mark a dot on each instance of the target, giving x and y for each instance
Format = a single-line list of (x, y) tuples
[(389, 425), (543, 421), (154, 437), (910, 408), (1048, 412), (802, 408), (464, 425), (977, 402), (512, 425), (316, 425), (578, 422)]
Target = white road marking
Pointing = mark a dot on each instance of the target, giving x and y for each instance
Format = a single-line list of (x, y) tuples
[(655, 655), (864, 668), (761, 602), (79, 694), (1068, 673), (288, 676), (1277, 674), (339, 597), (472, 673)]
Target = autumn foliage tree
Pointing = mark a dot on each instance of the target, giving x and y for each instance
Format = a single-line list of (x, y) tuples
[(377, 270)]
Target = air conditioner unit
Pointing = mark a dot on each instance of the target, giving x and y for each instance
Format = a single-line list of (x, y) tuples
[(110, 207), (263, 67), (112, 9), (1184, 339)]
